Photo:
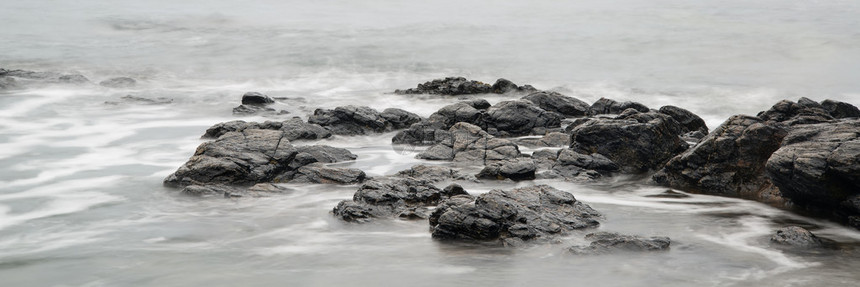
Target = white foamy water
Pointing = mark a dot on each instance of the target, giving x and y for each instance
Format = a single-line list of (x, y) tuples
[(81, 199)]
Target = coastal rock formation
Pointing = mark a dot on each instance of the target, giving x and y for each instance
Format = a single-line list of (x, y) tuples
[(356, 120), (294, 129), (556, 102), (512, 217), (434, 173), (609, 106), (119, 83), (514, 169), (519, 118), (795, 236), (465, 142), (389, 197), (453, 86), (689, 121), (609, 242), (255, 98)]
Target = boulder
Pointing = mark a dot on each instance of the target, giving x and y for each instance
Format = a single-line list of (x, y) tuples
[(453, 86), (514, 169), (8, 83), (805, 111), (119, 83), (637, 142), (552, 139), (434, 173), (609, 242), (350, 120), (689, 121), (729, 161), (227, 191), (608, 106), (294, 129), (795, 236), (519, 118), (320, 173), (468, 143), (840, 110), (399, 119), (256, 99), (556, 102), (818, 166), (523, 214), (389, 197)]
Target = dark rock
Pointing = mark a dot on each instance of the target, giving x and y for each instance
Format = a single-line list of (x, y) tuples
[(468, 143), (256, 99), (220, 190), (323, 154), (515, 169), (399, 119), (523, 214), (637, 142), (350, 120), (294, 129), (689, 121), (818, 165), (669, 194), (519, 118), (840, 110), (607, 106), (553, 139), (729, 161), (389, 197), (437, 152), (434, 173), (454, 190), (320, 173), (73, 79), (795, 236), (238, 158), (595, 161), (791, 113), (556, 102), (254, 109), (120, 82), (449, 86), (608, 242)]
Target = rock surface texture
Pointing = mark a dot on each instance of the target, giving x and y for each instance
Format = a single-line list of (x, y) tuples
[(608, 242)]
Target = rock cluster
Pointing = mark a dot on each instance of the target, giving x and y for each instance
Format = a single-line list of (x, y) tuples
[(453, 86)]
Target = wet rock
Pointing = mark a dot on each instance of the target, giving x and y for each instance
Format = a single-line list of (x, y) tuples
[(256, 99), (294, 129), (795, 236), (255, 109), (595, 161), (818, 165), (142, 100), (514, 169), (437, 152), (434, 173), (449, 86), (220, 190), (119, 83), (840, 110), (8, 83), (320, 173), (350, 120), (689, 121), (553, 139), (556, 102), (637, 142), (73, 79), (31, 75), (322, 153), (468, 143), (729, 161), (804, 111), (236, 158), (468, 111), (513, 216), (502, 86), (519, 118), (669, 194), (608, 106), (608, 242), (389, 197), (399, 119)]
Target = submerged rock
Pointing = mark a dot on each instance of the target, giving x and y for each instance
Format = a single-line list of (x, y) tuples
[(320, 173), (513, 216), (609, 242), (73, 79), (142, 100), (256, 109), (795, 236), (8, 83), (119, 82), (454, 86), (390, 197)]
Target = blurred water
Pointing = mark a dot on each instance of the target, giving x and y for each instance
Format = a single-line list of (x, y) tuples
[(81, 201)]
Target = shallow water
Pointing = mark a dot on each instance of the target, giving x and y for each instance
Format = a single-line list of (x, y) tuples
[(81, 200)]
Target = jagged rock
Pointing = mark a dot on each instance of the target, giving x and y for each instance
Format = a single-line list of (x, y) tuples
[(608, 242), (840, 110), (294, 129), (804, 111), (220, 190), (818, 165), (321, 153), (512, 217), (320, 173), (454, 86), (468, 143), (608, 106), (256, 99), (556, 102), (237, 158), (73, 79), (119, 82), (390, 197), (434, 173), (519, 118), (595, 161), (729, 161), (350, 120), (515, 169), (553, 139), (689, 121), (637, 142), (399, 119), (795, 236), (577, 167)]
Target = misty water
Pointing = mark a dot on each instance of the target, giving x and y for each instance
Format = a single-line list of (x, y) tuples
[(81, 169)]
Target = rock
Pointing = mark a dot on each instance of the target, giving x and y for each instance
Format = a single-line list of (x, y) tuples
[(729, 161), (320, 173), (255, 109), (453, 86), (469, 112), (294, 129), (399, 119), (553, 139), (595, 161), (556, 102), (818, 165), (256, 99), (607, 106), (669, 194), (323, 153), (468, 143), (510, 217), (350, 120), (503, 86), (237, 158), (840, 110), (637, 142), (119, 83), (515, 169), (795, 236), (434, 173), (608, 242), (689, 121), (142, 100), (390, 197), (220, 190), (519, 118), (73, 79), (805, 111)]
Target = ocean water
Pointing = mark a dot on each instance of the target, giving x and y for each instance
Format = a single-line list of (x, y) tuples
[(81, 199)]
